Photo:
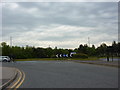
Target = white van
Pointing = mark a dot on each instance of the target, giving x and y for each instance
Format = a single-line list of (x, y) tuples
[(4, 59)]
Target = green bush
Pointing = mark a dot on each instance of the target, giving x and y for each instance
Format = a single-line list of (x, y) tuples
[(53, 56), (80, 55)]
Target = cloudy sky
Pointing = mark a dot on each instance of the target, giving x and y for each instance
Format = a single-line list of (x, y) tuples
[(65, 25)]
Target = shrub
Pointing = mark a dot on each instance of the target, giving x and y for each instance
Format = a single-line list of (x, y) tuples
[(80, 55)]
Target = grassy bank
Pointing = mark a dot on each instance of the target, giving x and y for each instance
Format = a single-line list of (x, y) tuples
[(37, 59), (51, 59)]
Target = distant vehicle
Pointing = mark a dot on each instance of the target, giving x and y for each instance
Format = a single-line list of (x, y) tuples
[(4, 59)]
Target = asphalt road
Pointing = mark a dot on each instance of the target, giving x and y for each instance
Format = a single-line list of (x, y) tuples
[(66, 74)]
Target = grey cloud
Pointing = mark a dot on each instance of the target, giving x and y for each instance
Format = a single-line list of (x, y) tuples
[(67, 15), (100, 16)]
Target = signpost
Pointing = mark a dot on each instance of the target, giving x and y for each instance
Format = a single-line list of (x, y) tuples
[(65, 55)]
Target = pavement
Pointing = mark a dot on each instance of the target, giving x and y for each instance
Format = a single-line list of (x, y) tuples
[(8, 76), (100, 62)]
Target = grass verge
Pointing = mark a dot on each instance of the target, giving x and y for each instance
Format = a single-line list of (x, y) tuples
[(51, 59)]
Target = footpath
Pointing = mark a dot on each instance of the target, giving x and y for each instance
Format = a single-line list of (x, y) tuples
[(100, 62), (7, 76)]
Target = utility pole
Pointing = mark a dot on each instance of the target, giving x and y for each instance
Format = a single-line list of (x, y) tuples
[(10, 41), (89, 41), (10, 55)]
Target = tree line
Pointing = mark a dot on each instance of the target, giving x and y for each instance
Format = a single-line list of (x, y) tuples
[(18, 52)]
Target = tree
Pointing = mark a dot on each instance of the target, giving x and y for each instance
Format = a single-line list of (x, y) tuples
[(101, 50), (39, 52), (49, 52), (114, 48), (3, 44), (91, 51)]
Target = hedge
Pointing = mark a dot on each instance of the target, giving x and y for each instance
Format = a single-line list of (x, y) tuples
[(80, 55)]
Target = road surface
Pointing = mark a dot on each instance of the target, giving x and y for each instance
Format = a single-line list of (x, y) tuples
[(66, 74)]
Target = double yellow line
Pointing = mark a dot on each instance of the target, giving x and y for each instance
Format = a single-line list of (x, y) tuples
[(20, 80)]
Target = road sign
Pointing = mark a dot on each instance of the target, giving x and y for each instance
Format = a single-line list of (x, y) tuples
[(73, 53), (57, 56), (60, 55), (65, 55)]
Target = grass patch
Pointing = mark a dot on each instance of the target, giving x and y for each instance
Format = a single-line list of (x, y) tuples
[(36, 59), (109, 57), (52, 59)]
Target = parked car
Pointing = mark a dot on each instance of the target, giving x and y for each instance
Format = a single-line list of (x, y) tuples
[(5, 59)]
